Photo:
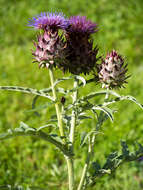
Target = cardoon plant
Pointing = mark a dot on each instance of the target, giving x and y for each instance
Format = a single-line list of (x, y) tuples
[(67, 44)]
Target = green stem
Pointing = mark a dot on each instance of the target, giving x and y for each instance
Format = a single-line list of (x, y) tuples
[(70, 161), (73, 118), (59, 117), (38, 134), (70, 172), (91, 147), (84, 172)]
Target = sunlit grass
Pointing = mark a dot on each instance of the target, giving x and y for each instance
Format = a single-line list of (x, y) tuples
[(32, 162)]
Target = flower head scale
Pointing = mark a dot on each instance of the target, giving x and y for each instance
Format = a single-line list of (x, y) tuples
[(81, 56), (80, 24), (49, 20), (112, 71)]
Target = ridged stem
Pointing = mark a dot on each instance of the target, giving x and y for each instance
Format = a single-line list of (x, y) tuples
[(84, 172), (70, 172), (59, 116), (70, 161), (90, 149), (73, 118)]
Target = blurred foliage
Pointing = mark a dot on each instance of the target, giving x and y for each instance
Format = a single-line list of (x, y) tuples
[(28, 162)]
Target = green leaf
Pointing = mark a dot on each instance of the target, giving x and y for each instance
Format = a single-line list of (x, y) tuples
[(46, 90), (125, 149), (81, 117), (62, 79), (19, 187), (27, 90), (45, 126), (81, 79), (62, 90), (67, 119), (41, 107), (104, 92), (131, 98), (106, 110), (85, 136), (113, 161), (25, 130)]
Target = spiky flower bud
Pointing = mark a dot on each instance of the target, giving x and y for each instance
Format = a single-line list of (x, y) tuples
[(112, 71), (80, 56), (50, 45)]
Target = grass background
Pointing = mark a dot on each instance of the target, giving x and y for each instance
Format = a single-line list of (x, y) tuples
[(28, 162)]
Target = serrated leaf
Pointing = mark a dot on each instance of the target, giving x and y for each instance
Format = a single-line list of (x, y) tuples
[(131, 98), (41, 107), (81, 117), (106, 110), (34, 101), (87, 135), (62, 90), (19, 187), (125, 149), (114, 160), (62, 79), (27, 90), (23, 125), (45, 126), (53, 138), (52, 120), (67, 119), (93, 94), (81, 79), (46, 90)]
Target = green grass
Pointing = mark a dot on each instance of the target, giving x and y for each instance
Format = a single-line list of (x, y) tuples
[(26, 161)]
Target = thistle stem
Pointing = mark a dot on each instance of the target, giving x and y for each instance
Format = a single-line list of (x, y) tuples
[(73, 118), (59, 116), (70, 172), (90, 149), (107, 95), (84, 172), (70, 161)]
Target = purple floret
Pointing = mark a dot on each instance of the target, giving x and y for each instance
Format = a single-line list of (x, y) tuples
[(80, 24), (140, 159), (49, 20)]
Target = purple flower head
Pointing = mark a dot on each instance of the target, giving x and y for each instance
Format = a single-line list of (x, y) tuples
[(80, 24), (140, 159), (112, 71), (49, 20)]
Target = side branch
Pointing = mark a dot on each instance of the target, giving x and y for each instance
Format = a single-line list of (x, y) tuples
[(27, 90), (39, 134)]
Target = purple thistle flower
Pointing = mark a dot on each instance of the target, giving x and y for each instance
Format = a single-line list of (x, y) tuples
[(49, 45), (49, 20), (80, 24), (80, 55)]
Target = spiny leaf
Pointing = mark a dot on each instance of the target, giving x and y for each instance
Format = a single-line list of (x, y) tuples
[(81, 117), (81, 79), (45, 126), (26, 90), (125, 149), (62, 90), (40, 107), (93, 94), (85, 136), (24, 130), (131, 98), (114, 160), (19, 187), (62, 79), (106, 110)]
